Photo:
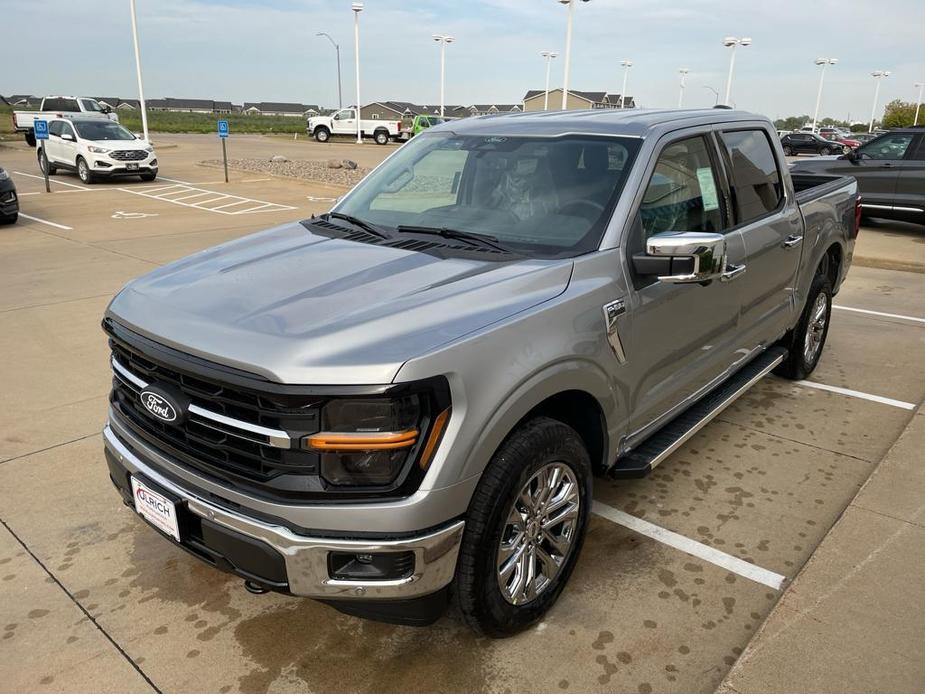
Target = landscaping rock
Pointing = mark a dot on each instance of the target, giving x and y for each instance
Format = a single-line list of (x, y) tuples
[(349, 164), (323, 171), (334, 164), (278, 158)]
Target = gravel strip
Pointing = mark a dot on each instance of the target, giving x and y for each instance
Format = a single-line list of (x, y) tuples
[(306, 170)]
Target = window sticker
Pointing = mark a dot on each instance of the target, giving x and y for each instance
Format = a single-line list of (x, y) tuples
[(708, 189)]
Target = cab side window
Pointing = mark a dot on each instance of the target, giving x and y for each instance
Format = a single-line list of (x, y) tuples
[(887, 146), (54, 128), (756, 182), (683, 193)]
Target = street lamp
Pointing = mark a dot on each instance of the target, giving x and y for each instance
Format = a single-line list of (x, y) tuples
[(918, 103), (733, 42), (340, 97), (683, 72), (715, 93), (824, 62), (357, 7), (141, 91), (443, 40), (549, 55), (877, 75), (627, 64), (568, 49)]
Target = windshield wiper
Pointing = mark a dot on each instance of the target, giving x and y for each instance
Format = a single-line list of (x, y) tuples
[(357, 222), (479, 239)]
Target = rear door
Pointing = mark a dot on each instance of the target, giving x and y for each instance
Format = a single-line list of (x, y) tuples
[(910, 181), (52, 145), (772, 230), (681, 337)]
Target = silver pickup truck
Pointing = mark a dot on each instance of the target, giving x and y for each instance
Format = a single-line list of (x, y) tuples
[(414, 392)]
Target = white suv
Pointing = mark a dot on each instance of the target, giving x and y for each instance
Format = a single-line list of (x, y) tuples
[(95, 148)]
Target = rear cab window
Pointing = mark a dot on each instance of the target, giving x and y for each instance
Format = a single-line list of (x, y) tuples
[(756, 185)]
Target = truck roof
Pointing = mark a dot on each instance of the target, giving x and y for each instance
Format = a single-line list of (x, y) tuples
[(626, 122)]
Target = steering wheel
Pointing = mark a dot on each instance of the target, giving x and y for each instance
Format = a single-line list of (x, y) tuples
[(594, 208)]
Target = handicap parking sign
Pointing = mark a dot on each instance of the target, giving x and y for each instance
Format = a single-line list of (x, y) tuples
[(41, 129), (223, 128)]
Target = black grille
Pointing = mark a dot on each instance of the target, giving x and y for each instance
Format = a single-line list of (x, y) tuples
[(129, 155), (213, 447)]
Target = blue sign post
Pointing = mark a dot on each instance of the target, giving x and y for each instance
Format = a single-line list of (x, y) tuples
[(223, 134), (40, 127)]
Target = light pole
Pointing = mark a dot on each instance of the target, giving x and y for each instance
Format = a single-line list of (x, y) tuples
[(683, 72), (733, 42), (627, 64), (141, 91), (357, 7), (877, 75), (715, 93), (340, 96), (918, 102), (443, 40), (568, 49), (549, 55), (824, 62)]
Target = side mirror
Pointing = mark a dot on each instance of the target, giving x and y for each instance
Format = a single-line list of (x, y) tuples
[(67, 136), (683, 257), (106, 109)]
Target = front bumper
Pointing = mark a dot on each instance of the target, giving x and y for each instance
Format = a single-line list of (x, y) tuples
[(103, 164), (278, 558)]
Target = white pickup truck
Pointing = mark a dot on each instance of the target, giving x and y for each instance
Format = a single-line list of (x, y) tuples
[(59, 107), (344, 122)]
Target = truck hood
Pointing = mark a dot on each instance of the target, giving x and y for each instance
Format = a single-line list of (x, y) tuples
[(295, 307)]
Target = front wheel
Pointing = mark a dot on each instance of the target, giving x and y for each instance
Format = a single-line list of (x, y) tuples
[(805, 342), (825, 151), (787, 151), (83, 171), (525, 527), (322, 135), (381, 137)]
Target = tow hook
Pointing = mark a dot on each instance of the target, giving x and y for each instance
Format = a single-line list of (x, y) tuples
[(255, 588)]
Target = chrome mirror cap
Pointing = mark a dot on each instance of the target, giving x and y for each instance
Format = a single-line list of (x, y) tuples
[(707, 250)]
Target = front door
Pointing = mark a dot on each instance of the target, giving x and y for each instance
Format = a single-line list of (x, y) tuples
[(876, 166), (344, 122), (68, 147), (679, 338)]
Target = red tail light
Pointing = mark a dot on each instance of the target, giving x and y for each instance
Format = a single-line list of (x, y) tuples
[(857, 216)]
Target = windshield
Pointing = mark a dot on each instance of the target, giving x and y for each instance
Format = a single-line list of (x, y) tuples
[(540, 196), (102, 130)]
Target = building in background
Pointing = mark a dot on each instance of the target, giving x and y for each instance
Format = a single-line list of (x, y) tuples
[(273, 108), (535, 99)]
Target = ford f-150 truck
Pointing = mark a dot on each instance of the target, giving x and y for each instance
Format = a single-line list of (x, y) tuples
[(59, 107), (344, 122), (413, 392)]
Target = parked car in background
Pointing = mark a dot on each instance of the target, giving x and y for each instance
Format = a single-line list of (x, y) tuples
[(890, 171), (60, 107), (415, 389), (863, 138), (95, 148), (810, 143), (411, 126), (9, 200), (841, 139), (344, 123)]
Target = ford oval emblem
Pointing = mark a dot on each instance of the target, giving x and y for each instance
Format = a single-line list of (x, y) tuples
[(159, 406)]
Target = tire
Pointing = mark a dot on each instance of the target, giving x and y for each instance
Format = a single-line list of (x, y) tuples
[(322, 135), (83, 171), (541, 445), (30, 139), (45, 164), (825, 151), (381, 137), (148, 176), (799, 362), (9, 218), (845, 149), (787, 151)]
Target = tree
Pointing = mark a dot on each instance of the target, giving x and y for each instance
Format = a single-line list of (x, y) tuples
[(898, 114)]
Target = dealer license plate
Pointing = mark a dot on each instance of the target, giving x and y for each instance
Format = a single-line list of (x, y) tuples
[(155, 508)]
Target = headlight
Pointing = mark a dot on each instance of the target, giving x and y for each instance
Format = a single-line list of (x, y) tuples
[(371, 441), (3, 175), (98, 150)]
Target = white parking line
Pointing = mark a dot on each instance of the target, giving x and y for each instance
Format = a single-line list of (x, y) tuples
[(45, 221), (880, 313), (857, 394), (709, 554), (51, 180), (184, 194)]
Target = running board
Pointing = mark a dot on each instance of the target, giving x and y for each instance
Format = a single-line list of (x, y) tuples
[(640, 461)]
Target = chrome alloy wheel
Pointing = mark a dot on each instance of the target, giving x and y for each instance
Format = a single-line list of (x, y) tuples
[(538, 534), (815, 329)]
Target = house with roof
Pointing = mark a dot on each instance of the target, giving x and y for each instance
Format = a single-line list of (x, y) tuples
[(274, 108), (186, 105), (23, 101), (535, 99)]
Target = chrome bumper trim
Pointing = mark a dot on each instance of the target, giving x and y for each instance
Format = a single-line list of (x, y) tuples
[(306, 558)]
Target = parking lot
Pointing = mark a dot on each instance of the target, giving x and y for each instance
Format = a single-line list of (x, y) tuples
[(678, 572)]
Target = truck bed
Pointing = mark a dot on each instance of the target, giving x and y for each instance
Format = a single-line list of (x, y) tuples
[(813, 186)]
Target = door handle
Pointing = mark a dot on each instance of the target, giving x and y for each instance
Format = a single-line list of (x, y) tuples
[(792, 240), (732, 272)]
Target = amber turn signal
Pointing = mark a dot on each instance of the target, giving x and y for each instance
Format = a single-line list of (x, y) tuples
[(436, 433), (361, 440)]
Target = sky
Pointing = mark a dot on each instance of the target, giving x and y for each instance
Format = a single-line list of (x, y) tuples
[(267, 50)]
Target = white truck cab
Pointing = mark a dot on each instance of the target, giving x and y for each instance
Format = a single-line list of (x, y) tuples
[(60, 107), (344, 123)]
